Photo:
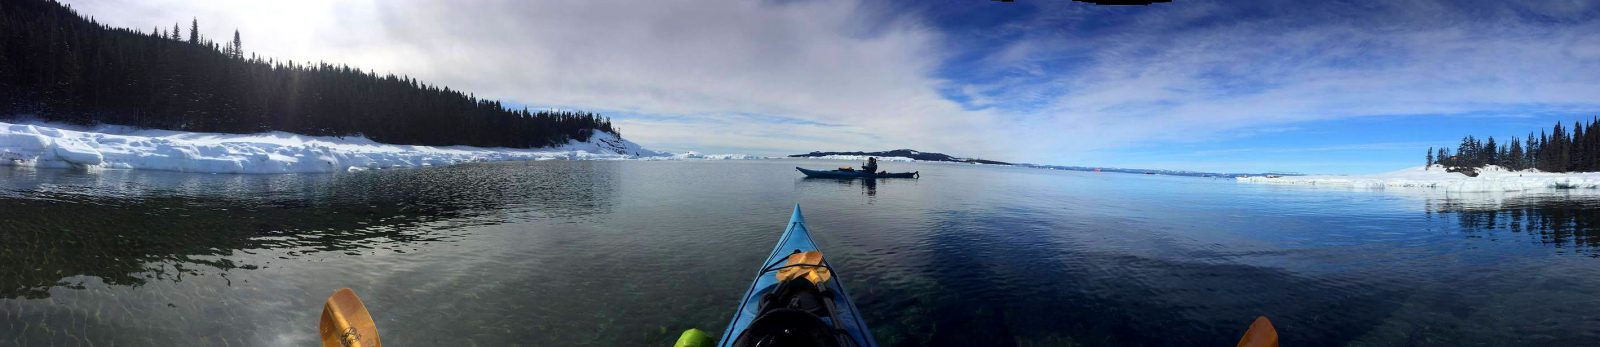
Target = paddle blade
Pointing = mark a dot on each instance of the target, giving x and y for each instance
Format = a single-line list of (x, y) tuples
[(807, 265), (1261, 334), (346, 323)]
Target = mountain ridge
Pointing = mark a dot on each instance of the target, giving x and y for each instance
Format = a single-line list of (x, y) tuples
[(903, 153)]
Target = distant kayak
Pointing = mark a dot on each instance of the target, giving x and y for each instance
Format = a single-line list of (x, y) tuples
[(796, 300), (856, 174)]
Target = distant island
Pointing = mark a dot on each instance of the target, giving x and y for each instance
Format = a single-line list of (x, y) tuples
[(902, 153), (911, 154)]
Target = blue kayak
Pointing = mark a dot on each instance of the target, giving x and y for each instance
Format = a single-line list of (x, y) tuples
[(855, 174), (810, 307)]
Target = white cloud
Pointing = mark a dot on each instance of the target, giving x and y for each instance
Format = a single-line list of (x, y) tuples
[(824, 61), (1189, 71)]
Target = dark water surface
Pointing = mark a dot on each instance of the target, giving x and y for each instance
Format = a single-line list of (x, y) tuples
[(631, 253)]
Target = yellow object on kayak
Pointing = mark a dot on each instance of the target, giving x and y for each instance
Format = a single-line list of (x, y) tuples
[(694, 338), (1260, 334), (805, 264), (346, 323)]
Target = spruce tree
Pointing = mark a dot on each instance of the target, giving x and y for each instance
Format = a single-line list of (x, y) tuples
[(238, 48), (1514, 155), (1490, 157), (1577, 152)]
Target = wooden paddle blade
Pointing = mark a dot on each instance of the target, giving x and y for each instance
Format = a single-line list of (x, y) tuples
[(346, 323), (1261, 334)]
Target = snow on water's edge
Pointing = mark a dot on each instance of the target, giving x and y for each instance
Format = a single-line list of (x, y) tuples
[(42, 144), (1490, 179)]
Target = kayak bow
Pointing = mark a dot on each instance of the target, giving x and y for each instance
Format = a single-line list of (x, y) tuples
[(796, 298)]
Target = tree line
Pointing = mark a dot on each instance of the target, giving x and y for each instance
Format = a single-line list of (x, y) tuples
[(59, 66), (1562, 149)]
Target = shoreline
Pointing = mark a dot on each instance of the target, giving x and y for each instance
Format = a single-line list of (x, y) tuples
[(29, 143), (1490, 179)]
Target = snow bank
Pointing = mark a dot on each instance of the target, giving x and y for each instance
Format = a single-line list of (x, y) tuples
[(1490, 179), (698, 155), (42, 144)]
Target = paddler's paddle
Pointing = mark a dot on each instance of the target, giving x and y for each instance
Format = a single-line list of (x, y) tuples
[(1260, 334), (346, 323)]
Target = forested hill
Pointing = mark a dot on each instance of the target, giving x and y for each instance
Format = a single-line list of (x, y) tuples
[(57, 65), (907, 153), (1562, 149)]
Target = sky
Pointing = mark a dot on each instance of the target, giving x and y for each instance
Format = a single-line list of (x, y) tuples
[(1222, 86)]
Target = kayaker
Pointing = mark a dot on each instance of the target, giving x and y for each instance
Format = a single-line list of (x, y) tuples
[(872, 165)]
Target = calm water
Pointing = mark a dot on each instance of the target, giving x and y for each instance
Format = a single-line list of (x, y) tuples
[(631, 253)]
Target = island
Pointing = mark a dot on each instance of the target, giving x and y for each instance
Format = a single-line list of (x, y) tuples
[(902, 154)]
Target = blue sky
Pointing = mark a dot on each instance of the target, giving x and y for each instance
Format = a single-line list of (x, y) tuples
[(1307, 86)]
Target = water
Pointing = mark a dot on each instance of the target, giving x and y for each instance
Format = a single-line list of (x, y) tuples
[(631, 253)]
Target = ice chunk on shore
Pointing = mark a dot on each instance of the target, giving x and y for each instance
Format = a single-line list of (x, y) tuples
[(43, 144), (1490, 179), (698, 155), (74, 151)]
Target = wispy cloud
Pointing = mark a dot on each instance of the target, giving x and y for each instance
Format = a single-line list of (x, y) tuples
[(1190, 73)]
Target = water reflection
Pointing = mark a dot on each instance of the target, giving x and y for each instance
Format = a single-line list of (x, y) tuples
[(126, 228), (867, 187), (1560, 219), (638, 251)]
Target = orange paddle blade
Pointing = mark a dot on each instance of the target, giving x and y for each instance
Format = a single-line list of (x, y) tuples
[(1261, 334), (346, 323)]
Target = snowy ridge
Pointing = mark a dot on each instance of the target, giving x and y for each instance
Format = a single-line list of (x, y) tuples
[(861, 158), (40, 144), (1490, 179)]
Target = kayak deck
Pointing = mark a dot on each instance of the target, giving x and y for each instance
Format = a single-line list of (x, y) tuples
[(796, 238)]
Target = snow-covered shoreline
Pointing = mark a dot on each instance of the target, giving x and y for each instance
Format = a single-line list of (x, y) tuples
[(1490, 179), (52, 145)]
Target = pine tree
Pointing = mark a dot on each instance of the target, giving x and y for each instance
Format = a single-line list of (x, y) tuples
[(1594, 145), (1558, 147), (1577, 152), (1530, 153), (1543, 157), (194, 31), (1514, 155), (1430, 159), (1490, 152), (238, 48)]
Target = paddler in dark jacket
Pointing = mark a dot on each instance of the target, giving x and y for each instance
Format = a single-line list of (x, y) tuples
[(872, 165)]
